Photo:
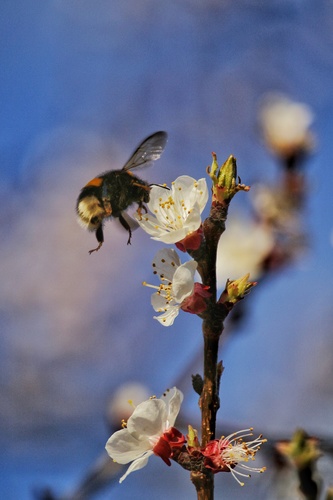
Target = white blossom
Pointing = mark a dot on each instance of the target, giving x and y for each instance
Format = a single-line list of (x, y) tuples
[(147, 424), (175, 213), (177, 283)]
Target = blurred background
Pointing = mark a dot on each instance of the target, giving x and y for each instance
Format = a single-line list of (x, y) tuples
[(82, 83)]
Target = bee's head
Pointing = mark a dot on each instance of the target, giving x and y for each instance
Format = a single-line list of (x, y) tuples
[(90, 211)]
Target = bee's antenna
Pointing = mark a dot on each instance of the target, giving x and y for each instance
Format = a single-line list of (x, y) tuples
[(164, 186)]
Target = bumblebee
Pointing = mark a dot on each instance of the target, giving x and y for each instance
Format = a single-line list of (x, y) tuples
[(111, 193)]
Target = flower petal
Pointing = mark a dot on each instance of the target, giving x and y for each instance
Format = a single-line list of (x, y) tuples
[(183, 281), (160, 303), (169, 316), (193, 191), (138, 464), (172, 236), (147, 419), (202, 194), (173, 399), (149, 223), (123, 447), (166, 262)]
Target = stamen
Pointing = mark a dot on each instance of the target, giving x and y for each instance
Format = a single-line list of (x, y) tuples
[(150, 286)]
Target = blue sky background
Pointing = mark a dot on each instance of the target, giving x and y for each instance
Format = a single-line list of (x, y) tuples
[(82, 83)]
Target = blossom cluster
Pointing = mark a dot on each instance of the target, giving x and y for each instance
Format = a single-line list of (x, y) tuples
[(150, 431), (174, 217)]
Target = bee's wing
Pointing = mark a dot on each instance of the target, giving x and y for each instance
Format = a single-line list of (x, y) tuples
[(149, 150)]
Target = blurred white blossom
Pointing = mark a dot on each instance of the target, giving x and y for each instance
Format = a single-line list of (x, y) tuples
[(175, 213), (242, 249), (121, 404), (285, 125), (275, 209)]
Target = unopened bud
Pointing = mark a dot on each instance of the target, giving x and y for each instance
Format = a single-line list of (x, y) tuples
[(225, 180), (228, 176), (235, 290), (302, 449), (192, 437)]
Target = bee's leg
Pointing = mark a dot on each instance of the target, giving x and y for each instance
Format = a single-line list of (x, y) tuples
[(100, 239), (126, 226), (140, 208)]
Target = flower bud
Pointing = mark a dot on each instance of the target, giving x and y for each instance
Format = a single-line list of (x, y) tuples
[(302, 450), (192, 438), (225, 180), (228, 175), (235, 290)]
